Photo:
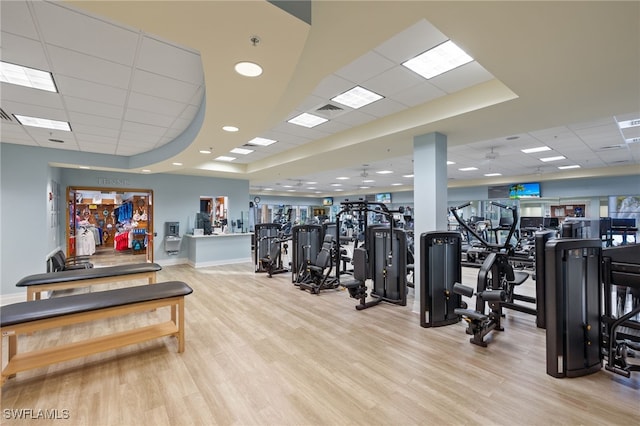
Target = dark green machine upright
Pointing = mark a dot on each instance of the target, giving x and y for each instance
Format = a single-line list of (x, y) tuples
[(573, 307)]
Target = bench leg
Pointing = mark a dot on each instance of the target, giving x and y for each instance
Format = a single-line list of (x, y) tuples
[(32, 294), (180, 324)]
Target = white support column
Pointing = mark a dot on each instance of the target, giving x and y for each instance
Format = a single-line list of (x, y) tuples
[(429, 193)]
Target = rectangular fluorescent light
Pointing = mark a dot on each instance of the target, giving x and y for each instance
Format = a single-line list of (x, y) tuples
[(27, 77), (384, 172), (242, 151), (307, 120), (536, 149), (261, 141), (468, 169), (632, 140), (450, 163), (547, 159), (492, 174), (225, 158), (440, 59), (575, 166), (44, 123), (629, 123), (357, 97)]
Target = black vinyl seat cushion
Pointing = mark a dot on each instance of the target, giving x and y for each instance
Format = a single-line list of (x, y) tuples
[(34, 310), (86, 274)]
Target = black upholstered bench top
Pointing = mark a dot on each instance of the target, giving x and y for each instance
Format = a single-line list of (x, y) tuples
[(87, 274), (22, 312)]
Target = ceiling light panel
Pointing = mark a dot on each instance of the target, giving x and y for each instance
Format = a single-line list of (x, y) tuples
[(307, 120), (248, 69), (357, 97), (438, 60), (241, 151), (261, 141), (629, 123), (27, 77), (225, 158), (536, 149), (573, 166), (468, 169), (556, 158), (44, 123)]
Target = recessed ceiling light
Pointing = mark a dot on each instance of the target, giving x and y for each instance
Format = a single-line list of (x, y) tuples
[(365, 187), (311, 187), (468, 169), (407, 176), (368, 181), (450, 163), (242, 151), (536, 149), (177, 164), (248, 69), (268, 189), (307, 120), (205, 151), (225, 158), (629, 123), (357, 97), (396, 184), (146, 171), (559, 157), (342, 178), (632, 140), (44, 123), (318, 192), (574, 166), (84, 167), (384, 172), (339, 190), (336, 184), (27, 77), (261, 141), (312, 183), (287, 186), (230, 128), (291, 190), (492, 174), (440, 59)]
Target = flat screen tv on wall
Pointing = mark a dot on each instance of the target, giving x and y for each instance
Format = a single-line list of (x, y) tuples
[(384, 197), (524, 190)]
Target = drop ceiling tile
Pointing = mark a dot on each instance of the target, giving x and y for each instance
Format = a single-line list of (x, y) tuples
[(153, 104), (163, 87), (96, 108), (383, 107), (33, 110), (462, 77), (23, 51), (83, 89), (411, 42), (99, 148), (170, 60), (77, 31), (133, 138), (418, 95), (144, 132), (333, 127), (83, 130), (89, 68), (85, 139), (365, 67), (15, 18), (147, 117), (393, 81), (18, 98), (93, 120), (355, 118)]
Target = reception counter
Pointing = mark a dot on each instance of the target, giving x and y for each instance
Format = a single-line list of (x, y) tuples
[(221, 249)]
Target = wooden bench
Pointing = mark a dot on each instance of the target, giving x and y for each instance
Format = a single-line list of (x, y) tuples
[(27, 317), (62, 280)]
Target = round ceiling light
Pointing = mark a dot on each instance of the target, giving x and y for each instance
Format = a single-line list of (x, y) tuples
[(248, 69), (230, 128)]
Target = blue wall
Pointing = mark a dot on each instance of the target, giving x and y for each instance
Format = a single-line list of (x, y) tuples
[(28, 236)]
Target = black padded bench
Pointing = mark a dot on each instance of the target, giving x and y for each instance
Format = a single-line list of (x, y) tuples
[(27, 317), (61, 280)]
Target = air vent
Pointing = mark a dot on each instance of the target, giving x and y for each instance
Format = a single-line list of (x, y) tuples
[(329, 108), (56, 140), (4, 115)]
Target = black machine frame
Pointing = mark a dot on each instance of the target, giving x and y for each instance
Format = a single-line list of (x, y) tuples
[(306, 241)]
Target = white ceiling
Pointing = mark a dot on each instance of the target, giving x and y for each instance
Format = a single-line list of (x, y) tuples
[(132, 81)]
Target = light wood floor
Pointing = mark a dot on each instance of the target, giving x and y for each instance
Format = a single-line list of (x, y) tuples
[(261, 352)]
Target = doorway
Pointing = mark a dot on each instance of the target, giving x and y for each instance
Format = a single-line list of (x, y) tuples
[(111, 225)]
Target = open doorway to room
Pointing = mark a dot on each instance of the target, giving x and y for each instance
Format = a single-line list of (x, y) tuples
[(112, 225)]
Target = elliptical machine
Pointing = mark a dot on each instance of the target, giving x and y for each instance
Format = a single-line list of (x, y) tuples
[(495, 284)]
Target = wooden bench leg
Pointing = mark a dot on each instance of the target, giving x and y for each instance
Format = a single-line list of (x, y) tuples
[(180, 324)]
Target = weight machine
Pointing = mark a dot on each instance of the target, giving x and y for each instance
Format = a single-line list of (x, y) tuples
[(495, 284)]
